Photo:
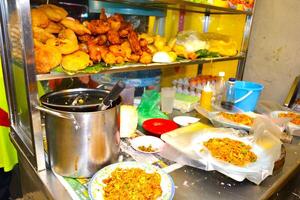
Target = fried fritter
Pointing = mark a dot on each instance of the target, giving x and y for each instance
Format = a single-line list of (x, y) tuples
[(78, 60), (76, 26), (113, 37), (109, 58), (117, 50), (53, 27), (146, 58), (68, 34), (134, 58), (39, 18), (46, 58), (53, 12), (125, 46), (41, 35), (66, 42), (120, 60)]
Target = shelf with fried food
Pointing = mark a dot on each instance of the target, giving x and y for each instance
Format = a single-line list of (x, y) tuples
[(64, 45), (198, 6), (103, 68)]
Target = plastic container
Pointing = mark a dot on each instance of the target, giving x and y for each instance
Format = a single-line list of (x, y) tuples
[(228, 99), (167, 98), (247, 95), (219, 88)]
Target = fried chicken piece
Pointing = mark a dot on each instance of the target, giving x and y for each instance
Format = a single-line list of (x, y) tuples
[(41, 35), (83, 47), (53, 12), (103, 15), (125, 46), (146, 49), (39, 18), (100, 40), (134, 42), (98, 27), (109, 58), (46, 58), (125, 29), (117, 50), (78, 60), (146, 58), (115, 22), (53, 27), (144, 46), (134, 58), (75, 25), (113, 37), (66, 42), (94, 52), (85, 38), (103, 51)]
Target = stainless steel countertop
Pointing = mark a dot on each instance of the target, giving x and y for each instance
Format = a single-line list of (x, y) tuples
[(193, 183)]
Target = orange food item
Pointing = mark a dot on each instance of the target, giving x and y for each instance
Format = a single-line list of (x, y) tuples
[(294, 116), (132, 183), (231, 151), (238, 118)]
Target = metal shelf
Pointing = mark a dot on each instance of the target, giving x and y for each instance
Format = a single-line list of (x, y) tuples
[(135, 67), (180, 5)]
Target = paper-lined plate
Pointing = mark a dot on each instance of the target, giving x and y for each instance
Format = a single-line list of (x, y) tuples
[(218, 120), (203, 152), (293, 129)]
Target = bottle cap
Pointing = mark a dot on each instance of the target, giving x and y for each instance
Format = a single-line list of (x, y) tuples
[(222, 74), (232, 79)]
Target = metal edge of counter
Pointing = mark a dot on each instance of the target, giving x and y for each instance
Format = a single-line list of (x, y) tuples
[(278, 185), (38, 185)]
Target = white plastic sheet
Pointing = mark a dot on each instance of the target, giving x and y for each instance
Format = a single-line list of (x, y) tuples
[(185, 149)]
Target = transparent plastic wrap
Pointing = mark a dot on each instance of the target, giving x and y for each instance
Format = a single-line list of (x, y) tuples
[(187, 148), (194, 41)]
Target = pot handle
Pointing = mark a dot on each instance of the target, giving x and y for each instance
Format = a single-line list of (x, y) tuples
[(55, 113)]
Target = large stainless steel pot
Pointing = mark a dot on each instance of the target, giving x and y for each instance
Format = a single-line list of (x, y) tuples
[(80, 143)]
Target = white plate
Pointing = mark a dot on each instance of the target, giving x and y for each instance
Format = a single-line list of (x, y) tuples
[(146, 141), (275, 114), (220, 120), (203, 152), (96, 184), (185, 120)]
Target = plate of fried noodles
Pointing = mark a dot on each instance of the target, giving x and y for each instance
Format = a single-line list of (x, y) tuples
[(131, 180), (229, 151)]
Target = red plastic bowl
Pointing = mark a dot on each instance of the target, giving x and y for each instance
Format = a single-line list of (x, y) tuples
[(159, 126)]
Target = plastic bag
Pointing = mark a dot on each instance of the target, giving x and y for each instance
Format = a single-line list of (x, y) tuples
[(149, 107), (189, 150)]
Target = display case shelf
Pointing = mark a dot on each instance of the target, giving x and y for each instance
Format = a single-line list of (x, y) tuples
[(135, 67), (181, 5)]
